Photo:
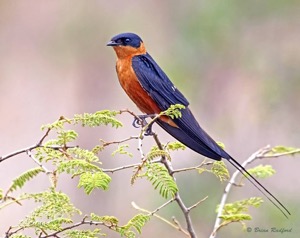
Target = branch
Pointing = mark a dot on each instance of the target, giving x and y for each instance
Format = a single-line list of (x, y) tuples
[(184, 209), (83, 222), (2, 158), (257, 155), (38, 144)]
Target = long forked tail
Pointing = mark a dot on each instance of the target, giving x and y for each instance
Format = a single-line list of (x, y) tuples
[(260, 187)]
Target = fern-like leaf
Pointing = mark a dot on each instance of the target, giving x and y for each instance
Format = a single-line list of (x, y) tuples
[(89, 181), (20, 181), (66, 136), (122, 151), (76, 167), (83, 154), (55, 211), (220, 170), (84, 233), (20, 236), (262, 171), (98, 118), (176, 145), (104, 117), (157, 154), (283, 150), (174, 111), (137, 222), (238, 208), (158, 175), (236, 212), (109, 220)]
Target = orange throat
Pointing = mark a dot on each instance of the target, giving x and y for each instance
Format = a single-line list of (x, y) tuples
[(131, 84)]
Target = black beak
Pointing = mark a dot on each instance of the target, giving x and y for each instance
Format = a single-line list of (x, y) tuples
[(112, 43)]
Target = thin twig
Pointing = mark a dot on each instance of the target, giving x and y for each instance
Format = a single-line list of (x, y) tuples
[(130, 112), (162, 206), (177, 223), (9, 233), (105, 143), (193, 168), (38, 144), (120, 168), (231, 182), (28, 152), (197, 203), (153, 213), (18, 152), (83, 222), (263, 156)]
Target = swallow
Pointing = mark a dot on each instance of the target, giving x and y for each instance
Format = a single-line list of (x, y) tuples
[(153, 92)]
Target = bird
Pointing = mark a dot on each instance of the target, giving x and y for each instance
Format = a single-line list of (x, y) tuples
[(152, 91)]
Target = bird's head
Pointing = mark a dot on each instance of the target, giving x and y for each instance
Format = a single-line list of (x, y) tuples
[(127, 44)]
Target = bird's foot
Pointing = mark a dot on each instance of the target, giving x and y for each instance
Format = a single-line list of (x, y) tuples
[(140, 121), (148, 131)]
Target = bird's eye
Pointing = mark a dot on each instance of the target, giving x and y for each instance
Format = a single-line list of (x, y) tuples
[(127, 40)]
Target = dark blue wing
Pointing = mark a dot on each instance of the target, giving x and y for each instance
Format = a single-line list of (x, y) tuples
[(157, 84)]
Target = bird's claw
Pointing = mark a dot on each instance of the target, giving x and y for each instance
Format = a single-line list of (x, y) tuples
[(149, 131), (140, 121)]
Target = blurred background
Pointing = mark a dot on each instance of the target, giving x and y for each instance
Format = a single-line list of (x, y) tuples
[(236, 61)]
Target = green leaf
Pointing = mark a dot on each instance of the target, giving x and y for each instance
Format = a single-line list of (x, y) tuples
[(220, 170), (158, 175), (84, 233), (176, 145), (104, 117), (283, 150), (98, 118), (55, 211), (221, 144), (236, 217), (20, 181), (90, 181), (157, 154), (49, 154), (236, 212), (174, 111), (129, 230), (240, 207), (136, 223), (121, 150), (110, 220), (262, 171), (58, 124), (76, 167), (64, 137), (83, 154), (19, 236)]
